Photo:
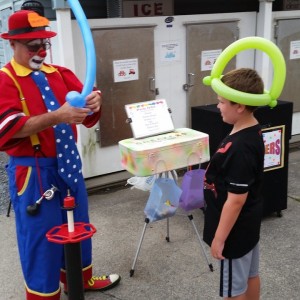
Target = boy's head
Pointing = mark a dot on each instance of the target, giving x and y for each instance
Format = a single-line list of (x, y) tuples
[(245, 80)]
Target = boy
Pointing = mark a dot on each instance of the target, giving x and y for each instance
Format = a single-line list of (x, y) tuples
[(232, 192)]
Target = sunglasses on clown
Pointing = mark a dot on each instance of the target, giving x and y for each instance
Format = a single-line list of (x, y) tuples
[(36, 45)]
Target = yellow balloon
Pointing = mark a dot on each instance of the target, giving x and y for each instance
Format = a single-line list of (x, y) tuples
[(279, 67)]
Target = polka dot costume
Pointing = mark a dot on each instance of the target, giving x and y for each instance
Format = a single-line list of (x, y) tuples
[(69, 162)]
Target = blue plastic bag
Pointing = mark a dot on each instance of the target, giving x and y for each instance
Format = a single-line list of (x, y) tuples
[(163, 200)]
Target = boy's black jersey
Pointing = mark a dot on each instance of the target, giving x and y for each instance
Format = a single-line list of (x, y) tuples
[(236, 167)]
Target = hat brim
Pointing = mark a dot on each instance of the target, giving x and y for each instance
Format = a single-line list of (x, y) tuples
[(29, 35)]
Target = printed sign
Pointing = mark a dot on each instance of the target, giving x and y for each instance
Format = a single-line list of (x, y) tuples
[(149, 118), (295, 50), (126, 70), (291, 4), (170, 51), (274, 147), (208, 59)]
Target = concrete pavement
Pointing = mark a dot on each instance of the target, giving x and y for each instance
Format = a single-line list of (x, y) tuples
[(168, 270)]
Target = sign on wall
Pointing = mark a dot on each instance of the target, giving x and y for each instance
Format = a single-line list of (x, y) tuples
[(126, 70), (208, 59), (170, 51), (291, 4), (295, 50), (150, 8), (274, 147)]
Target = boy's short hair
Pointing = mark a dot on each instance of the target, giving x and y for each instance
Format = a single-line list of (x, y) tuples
[(245, 80)]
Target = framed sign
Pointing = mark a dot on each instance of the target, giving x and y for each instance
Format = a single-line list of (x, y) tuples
[(274, 147), (149, 118)]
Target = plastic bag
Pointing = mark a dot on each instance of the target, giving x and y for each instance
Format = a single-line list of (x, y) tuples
[(192, 190), (163, 200), (146, 183), (142, 183)]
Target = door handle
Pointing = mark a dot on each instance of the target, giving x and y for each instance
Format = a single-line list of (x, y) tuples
[(152, 84), (152, 87), (97, 132), (190, 83)]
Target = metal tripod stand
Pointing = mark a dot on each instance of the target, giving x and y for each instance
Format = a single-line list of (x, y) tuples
[(191, 218)]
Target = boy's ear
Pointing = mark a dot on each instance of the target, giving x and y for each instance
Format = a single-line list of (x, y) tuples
[(241, 107)]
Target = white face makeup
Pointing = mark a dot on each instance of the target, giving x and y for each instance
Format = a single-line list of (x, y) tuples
[(38, 47), (36, 61), (35, 54)]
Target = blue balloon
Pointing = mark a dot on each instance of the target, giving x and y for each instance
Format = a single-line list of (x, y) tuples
[(74, 98)]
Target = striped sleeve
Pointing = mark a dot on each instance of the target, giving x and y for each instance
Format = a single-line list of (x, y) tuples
[(12, 118)]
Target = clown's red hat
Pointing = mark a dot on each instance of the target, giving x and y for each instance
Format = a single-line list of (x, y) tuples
[(27, 24)]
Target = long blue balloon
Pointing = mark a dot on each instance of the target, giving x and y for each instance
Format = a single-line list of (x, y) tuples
[(74, 98)]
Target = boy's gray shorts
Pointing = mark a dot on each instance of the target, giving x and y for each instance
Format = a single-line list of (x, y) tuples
[(234, 273)]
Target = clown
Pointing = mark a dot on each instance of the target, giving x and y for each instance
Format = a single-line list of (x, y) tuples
[(28, 135)]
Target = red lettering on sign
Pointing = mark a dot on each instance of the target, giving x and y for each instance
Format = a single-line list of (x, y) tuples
[(146, 9), (158, 9), (154, 9), (273, 148)]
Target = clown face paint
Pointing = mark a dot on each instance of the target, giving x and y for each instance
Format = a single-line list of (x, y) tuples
[(32, 53), (37, 60)]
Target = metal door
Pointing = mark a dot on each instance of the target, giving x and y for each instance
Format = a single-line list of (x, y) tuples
[(132, 46), (125, 75), (287, 36), (204, 39), (5, 49)]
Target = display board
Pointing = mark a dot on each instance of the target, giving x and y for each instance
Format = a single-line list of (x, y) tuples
[(149, 118), (274, 147)]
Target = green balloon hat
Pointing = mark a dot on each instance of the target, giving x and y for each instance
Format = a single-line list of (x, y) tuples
[(268, 97)]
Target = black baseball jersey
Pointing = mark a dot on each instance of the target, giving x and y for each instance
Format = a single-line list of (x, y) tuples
[(236, 167)]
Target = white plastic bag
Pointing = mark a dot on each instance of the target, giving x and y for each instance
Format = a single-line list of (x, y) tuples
[(146, 183), (141, 183)]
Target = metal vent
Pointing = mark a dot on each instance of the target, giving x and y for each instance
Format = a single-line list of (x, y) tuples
[(114, 8)]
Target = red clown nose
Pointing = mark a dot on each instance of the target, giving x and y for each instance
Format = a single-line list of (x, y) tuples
[(42, 53)]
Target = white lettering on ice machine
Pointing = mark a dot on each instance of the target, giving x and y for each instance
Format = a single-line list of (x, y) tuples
[(159, 148)]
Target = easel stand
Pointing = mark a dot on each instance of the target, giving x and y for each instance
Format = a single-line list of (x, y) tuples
[(147, 221)]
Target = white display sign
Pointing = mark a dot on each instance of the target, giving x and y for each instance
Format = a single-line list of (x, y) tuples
[(208, 59), (126, 70), (295, 50), (170, 51), (149, 118)]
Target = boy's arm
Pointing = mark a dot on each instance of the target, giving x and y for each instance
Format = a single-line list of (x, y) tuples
[(229, 215)]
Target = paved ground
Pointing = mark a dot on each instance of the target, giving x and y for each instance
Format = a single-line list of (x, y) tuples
[(174, 270)]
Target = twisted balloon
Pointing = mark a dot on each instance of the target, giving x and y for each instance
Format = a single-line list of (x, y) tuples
[(74, 98), (279, 67)]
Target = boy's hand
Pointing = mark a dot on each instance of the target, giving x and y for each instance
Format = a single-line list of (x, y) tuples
[(216, 249)]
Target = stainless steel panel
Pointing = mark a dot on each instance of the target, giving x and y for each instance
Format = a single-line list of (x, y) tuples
[(113, 44), (287, 31), (203, 37)]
